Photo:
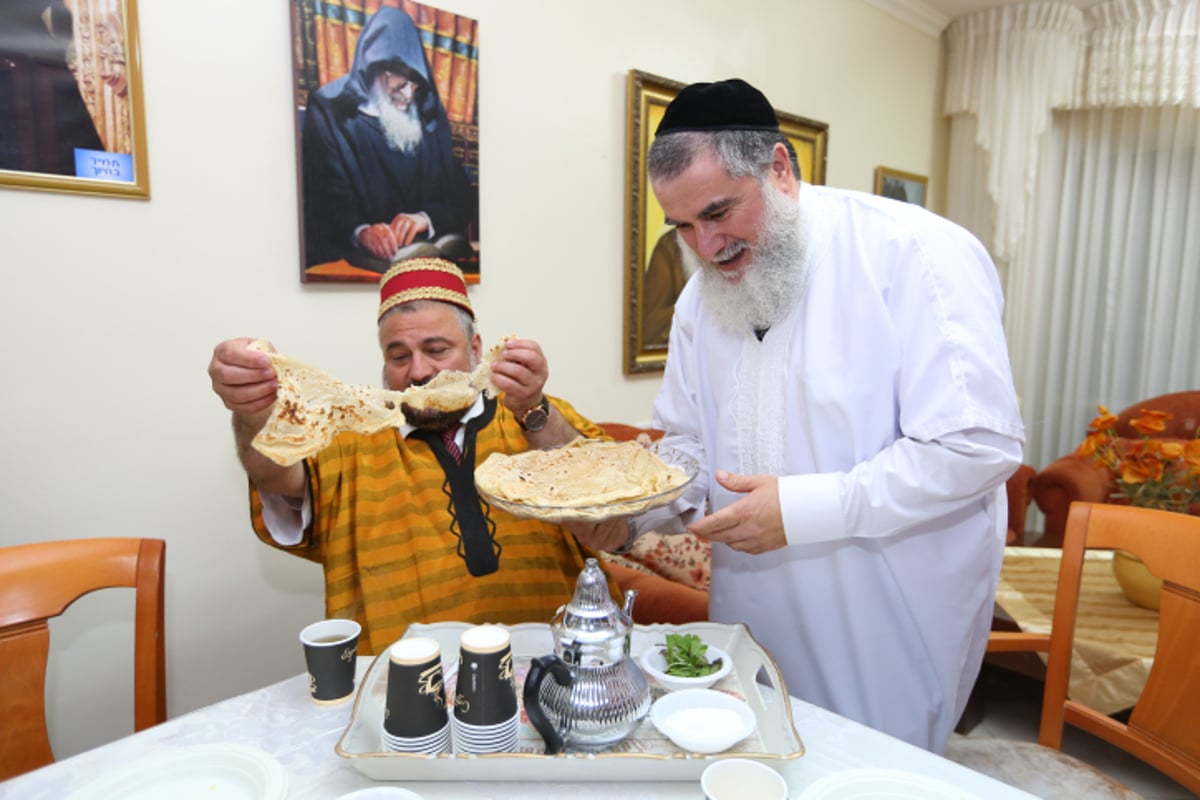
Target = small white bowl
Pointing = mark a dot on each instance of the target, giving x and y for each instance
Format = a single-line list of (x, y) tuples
[(702, 721), (381, 793), (654, 664)]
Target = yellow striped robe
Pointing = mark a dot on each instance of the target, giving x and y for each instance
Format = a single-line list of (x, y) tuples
[(381, 530)]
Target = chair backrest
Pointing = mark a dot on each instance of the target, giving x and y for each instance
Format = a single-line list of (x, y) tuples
[(1163, 728), (39, 581)]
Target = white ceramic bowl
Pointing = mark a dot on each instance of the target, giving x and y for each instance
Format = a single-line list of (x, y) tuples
[(381, 793), (702, 720), (654, 664)]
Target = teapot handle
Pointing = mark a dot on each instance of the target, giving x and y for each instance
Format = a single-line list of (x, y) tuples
[(539, 668)]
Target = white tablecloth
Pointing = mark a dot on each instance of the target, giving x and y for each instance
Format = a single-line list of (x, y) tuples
[(282, 720)]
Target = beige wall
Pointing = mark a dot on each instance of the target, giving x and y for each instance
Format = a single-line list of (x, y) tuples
[(110, 307)]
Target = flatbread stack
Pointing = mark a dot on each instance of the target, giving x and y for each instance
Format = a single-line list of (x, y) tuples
[(312, 406), (588, 479)]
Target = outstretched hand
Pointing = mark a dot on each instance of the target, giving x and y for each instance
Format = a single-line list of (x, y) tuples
[(521, 373), (753, 524), (244, 379)]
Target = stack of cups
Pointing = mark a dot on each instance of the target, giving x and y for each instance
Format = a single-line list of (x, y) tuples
[(486, 717), (414, 716)]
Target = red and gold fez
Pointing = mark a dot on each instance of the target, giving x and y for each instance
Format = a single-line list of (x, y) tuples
[(423, 279)]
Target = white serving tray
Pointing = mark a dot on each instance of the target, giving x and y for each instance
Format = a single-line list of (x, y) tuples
[(644, 756)]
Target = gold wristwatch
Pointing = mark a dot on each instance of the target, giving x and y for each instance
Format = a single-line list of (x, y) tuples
[(535, 418)]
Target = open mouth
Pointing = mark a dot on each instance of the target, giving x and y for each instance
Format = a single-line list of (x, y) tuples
[(730, 260)]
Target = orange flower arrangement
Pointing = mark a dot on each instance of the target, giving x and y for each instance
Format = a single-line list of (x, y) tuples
[(1155, 473)]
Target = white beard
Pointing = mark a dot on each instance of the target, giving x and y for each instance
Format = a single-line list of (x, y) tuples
[(402, 128), (773, 279)]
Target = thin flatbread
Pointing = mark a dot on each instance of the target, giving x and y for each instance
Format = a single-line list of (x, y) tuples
[(312, 406), (587, 479)]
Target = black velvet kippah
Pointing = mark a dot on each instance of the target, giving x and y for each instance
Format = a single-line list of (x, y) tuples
[(731, 105)]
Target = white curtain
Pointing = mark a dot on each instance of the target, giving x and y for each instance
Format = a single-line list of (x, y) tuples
[(1091, 207), (1103, 308)]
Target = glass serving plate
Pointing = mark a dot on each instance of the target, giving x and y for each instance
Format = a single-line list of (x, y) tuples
[(595, 513), (646, 755)]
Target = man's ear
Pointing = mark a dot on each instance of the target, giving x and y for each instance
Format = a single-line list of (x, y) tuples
[(783, 177)]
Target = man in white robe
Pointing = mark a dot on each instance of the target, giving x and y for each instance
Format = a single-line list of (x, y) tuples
[(839, 370)]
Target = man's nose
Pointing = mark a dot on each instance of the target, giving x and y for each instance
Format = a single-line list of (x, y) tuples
[(709, 242), (421, 371)]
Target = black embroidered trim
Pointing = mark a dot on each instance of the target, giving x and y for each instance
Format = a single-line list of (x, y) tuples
[(471, 517)]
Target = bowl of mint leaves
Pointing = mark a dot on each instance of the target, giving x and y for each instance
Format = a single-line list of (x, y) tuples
[(685, 661)]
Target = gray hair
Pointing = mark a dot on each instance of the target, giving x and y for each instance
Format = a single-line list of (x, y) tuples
[(465, 320), (741, 153)]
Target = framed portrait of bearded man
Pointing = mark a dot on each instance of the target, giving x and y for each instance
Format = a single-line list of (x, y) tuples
[(656, 269), (71, 103), (387, 136)]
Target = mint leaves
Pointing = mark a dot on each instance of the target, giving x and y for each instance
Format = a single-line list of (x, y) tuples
[(686, 656)]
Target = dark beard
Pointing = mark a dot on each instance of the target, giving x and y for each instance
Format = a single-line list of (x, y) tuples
[(431, 419)]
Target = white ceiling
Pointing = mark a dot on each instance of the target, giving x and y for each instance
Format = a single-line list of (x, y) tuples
[(933, 15), (956, 8)]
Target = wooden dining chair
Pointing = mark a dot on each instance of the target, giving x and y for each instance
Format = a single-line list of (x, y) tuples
[(39, 581), (1162, 728)]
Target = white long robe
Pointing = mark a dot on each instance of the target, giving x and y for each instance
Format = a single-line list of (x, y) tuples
[(884, 401)]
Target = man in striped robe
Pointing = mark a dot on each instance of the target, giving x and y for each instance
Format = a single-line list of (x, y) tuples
[(393, 517)]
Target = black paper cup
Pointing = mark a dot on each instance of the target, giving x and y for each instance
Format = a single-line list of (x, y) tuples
[(331, 653), (416, 698), (484, 692)]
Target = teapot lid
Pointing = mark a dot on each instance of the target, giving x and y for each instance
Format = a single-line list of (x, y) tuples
[(591, 616)]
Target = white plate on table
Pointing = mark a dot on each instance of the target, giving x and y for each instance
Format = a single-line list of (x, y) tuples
[(882, 784), (216, 771)]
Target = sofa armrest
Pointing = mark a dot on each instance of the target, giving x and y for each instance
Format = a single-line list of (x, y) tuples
[(1069, 479), (1017, 489)]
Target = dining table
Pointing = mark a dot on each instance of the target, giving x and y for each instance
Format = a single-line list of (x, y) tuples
[(1114, 641), (281, 720)]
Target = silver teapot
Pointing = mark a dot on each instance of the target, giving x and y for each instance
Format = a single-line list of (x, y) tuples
[(589, 693)]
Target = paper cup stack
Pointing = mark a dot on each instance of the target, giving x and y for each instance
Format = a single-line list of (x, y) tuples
[(414, 718), (486, 717)]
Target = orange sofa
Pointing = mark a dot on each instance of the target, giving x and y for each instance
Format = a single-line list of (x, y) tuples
[(1074, 477), (1018, 503)]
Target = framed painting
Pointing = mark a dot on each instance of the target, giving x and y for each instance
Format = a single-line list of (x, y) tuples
[(71, 103), (387, 137), (655, 273), (906, 186)]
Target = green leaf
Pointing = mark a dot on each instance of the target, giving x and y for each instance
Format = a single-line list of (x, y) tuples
[(686, 657)]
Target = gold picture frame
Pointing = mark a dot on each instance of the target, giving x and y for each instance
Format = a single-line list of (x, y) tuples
[(906, 186), (647, 237), (72, 99)]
